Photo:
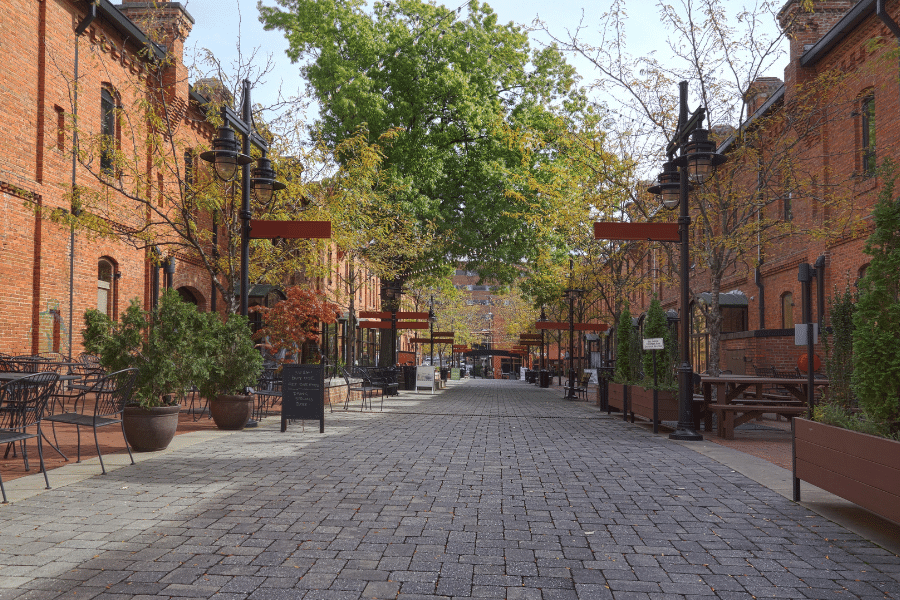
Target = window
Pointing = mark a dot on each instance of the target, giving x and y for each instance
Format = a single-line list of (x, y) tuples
[(787, 310), (60, 128), (160, 190), (189, 169), (105, 290), (107, 129), (734, 318), (788, 206), (867, 123)]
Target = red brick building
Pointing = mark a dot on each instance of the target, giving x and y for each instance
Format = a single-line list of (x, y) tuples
[(761, 299), (120, 55)]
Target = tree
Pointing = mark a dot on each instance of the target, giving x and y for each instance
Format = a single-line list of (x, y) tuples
[(295, 321), (461, 104)]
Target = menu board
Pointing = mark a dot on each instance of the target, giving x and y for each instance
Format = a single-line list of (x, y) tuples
[(455, 374), (303, 394), (425, 377)]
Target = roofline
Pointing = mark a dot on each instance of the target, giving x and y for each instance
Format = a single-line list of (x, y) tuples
[(233, 118), (127, 28), (856, 15), (775, 97)]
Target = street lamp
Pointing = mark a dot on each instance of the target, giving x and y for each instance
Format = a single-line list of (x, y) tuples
[(226, 157), (432, 319), (696, 162)]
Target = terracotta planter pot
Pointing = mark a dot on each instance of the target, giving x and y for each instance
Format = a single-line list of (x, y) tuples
[(150, 429), (231, 412), (642, 404), (858, 467)]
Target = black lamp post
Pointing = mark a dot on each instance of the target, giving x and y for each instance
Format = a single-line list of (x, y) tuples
[(432, 319), (226, 158), (696, 163), (572, 294), (542, 319)]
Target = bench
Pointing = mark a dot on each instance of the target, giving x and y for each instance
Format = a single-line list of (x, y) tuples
[(581, 388), (728, 419)]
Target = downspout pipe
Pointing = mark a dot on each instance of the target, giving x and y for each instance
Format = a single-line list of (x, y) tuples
[(82, 27), (762, 297), (820, 291)]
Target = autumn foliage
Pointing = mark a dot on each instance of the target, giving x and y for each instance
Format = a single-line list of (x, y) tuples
[(296, 320)]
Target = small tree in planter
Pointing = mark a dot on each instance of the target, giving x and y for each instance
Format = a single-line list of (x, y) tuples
[(876, 320), (656, 326), (234, 366), (294, 321), (626, 341), (169, 347)]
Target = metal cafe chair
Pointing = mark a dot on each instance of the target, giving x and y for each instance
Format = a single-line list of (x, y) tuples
[(23, 401), (112, 393)]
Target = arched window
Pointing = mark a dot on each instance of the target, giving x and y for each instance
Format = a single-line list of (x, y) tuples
[(699, 339), (105, 286), (787, 310)]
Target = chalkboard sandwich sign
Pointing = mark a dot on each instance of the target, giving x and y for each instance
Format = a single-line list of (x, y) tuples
[(303, 394)]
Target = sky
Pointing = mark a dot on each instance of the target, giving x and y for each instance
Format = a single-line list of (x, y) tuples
[(220, 23)]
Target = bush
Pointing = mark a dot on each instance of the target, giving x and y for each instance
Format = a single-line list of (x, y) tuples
[(626, 350), (838, 342)]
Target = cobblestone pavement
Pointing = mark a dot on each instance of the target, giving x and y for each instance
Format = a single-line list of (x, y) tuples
[(492, 489)]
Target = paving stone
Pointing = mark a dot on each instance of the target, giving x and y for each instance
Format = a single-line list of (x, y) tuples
[(491, 489)]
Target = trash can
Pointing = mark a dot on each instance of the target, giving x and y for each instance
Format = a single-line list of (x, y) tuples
[(408, 378), (545, 379), (444, 372)]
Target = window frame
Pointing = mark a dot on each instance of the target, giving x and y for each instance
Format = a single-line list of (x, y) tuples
[(785, 297), (867, 133), (108, 129)]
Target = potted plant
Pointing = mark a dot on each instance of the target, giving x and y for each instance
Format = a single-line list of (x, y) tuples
[(641, 396), (167, 347), (625, 372), (234, 366)]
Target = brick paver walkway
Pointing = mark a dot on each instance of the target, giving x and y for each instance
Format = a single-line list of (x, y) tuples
[(492, 489)]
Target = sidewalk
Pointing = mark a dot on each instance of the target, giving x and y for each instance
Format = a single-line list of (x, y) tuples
[(490, 489)]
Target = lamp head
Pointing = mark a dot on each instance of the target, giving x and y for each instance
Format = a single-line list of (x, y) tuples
[(700, 154), (225, 155), (262, 181), (669, 185)]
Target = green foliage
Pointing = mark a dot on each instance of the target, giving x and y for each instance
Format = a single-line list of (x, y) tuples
[(626, 348), (838, 342), (876, 353), (656, 326), (169, 346), (235, 363), (840, 416), (469, 107)]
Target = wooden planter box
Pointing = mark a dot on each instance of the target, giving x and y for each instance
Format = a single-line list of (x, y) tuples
[(617, 395), (861, 468), (641, 404)]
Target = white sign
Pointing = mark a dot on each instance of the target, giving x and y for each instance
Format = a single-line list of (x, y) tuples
[(653, 344), (593, 373), (800, 334), (522, 373), (425, 378)]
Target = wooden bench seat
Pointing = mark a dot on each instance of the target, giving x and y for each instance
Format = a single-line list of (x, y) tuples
[(728, 417)]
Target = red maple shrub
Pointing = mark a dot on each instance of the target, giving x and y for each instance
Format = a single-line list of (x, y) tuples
[(295, 320)]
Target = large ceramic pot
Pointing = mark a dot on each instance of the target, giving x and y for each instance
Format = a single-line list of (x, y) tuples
[(231, 412), (858, 467), (150, 429)]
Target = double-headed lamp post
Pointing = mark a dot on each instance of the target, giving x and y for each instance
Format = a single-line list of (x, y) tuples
[(572, 294), (226, 156), (696, 162), (432, 319)]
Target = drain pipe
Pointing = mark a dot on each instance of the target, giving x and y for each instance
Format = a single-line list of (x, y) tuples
[(886, 19), (762, 298), (820, 291), (82, 26)]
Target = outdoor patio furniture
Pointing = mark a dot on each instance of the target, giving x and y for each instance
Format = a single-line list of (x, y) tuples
[(365, 387), (267, 391), (111, 393), (23, 401)]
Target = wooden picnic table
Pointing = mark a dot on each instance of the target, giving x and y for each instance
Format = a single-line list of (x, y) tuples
[(730, 399)]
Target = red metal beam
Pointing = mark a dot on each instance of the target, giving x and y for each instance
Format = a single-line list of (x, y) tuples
[(578, 326), (387, 325), (656, 232), (260, 229)]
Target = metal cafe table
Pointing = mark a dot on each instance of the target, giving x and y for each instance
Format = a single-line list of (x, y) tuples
[(732, 398)]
